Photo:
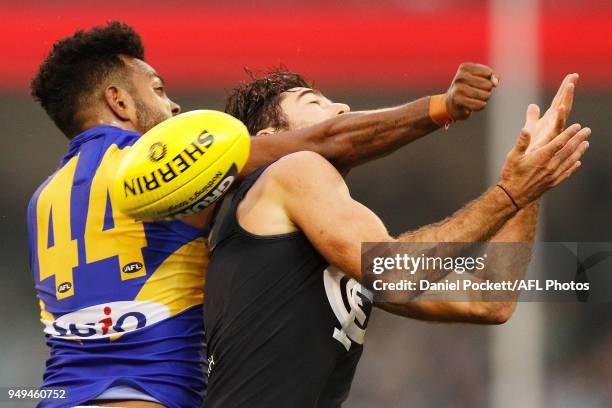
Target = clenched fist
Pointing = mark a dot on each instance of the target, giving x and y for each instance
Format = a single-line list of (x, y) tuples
[(470, 90)]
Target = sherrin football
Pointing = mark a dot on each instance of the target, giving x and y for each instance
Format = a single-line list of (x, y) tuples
[(181, 166)]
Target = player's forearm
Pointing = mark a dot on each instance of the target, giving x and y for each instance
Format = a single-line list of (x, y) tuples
[(429, 310), (503, 264), (521, 227), (476, 222), (509, 255), (353, 140), (349, 139)]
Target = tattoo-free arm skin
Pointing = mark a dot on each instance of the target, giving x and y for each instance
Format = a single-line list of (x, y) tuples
[(519, 229), (315, 199)]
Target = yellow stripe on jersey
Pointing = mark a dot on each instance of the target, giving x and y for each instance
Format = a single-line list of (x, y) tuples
[(178, 283)]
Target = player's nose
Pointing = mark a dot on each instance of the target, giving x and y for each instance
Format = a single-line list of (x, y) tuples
[(341, 108), (175, 107)]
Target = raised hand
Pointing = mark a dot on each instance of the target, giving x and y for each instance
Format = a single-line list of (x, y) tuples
[(470, 90), (527, 175), (544, 129)]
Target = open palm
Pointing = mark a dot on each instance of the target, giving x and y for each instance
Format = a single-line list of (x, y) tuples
[(543, 129)]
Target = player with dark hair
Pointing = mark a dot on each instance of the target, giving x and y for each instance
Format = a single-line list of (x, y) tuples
[(285, 309), (100, 65), (121, 300)]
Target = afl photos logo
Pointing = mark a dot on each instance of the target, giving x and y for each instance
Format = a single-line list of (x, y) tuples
[(351, 303), (157, 151)]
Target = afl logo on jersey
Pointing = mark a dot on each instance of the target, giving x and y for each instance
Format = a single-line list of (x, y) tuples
[(106, 320), (351, 303), (64, 287), (132, 267)]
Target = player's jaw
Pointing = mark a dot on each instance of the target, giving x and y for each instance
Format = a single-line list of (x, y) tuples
[(304, 107)]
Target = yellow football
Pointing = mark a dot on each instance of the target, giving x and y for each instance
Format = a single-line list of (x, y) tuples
[(181, 166)]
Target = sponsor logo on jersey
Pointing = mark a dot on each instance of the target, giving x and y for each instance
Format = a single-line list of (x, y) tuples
[(351, 303), (106, 320)]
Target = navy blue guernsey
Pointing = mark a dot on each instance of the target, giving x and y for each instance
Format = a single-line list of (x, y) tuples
[(283, 327)]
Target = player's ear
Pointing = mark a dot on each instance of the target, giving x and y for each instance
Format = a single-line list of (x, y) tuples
[(119, 101), (266, 131)]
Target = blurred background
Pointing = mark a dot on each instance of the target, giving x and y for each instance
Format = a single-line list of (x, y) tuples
[(368, 53)]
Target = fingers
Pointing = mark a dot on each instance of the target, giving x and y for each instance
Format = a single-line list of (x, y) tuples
[(566, 174), (559, 95), (573, 159), (470, 90), (568, 99), (564, 98), (572, 151), (561, 91), (495, 79), (554, 118), (471, 104), (476, 93), (485, 84), (559, 118), (557, 143), (522, 142), (480, 71), (532, 115), (477, 69), (565, 93)]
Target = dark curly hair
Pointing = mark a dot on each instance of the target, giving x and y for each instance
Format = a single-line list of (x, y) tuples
[(257, 103), (77, 66)]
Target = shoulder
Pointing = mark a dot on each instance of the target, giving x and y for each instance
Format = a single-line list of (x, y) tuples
[(294, 180), (111, 135), (124, 138)]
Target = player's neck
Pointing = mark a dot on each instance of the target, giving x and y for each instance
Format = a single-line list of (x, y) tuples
[(110, 121)]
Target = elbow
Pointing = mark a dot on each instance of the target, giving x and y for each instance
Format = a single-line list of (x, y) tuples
[(501, 315), (494, 313)]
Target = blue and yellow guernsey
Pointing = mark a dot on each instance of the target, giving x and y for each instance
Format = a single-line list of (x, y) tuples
[(121, 300)]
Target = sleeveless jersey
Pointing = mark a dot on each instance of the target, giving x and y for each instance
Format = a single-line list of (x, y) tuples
[(121, 300), (283, 327)]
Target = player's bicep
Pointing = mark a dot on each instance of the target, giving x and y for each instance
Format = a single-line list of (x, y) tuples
[(318, 201)]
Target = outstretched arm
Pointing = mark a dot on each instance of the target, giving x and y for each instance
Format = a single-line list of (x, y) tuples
[(538, 132), (316, 200), (355, 138), (520, 228)]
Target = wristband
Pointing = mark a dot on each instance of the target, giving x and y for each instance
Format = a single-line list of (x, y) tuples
[(437, 111), (510, 197)]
